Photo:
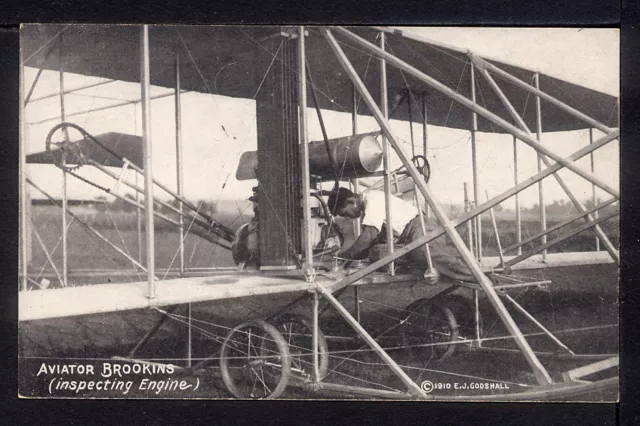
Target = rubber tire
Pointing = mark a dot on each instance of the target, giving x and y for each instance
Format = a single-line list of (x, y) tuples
[(463, 311), (283, 350), (323, 348), (428, 304)]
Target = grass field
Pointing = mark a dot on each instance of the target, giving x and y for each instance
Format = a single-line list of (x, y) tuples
[(88, 251)]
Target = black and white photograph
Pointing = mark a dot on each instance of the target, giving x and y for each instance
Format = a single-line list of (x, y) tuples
[(319, 212)]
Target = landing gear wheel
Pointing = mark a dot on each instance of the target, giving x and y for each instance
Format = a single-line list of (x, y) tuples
[(430, 331), (255, 361), (464, 313), (297, 331)]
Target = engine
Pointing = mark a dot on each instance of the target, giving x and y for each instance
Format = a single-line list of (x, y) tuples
[(326, 236), (274, 239), (277, 225)]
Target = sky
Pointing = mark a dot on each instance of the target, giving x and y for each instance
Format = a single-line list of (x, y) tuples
[(589, 57)]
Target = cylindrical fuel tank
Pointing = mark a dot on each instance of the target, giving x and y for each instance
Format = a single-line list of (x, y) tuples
[(355, 156)]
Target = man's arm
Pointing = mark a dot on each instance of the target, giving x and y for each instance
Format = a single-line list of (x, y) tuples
[(360, 247)]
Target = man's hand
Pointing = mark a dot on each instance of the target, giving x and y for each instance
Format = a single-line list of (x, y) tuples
[(360, 247)]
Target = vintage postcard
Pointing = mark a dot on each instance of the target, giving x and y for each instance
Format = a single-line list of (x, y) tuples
[(306, 212)]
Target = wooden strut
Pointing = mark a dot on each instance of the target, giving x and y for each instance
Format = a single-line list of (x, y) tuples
[(467, 208), (179, 174), (541, 203), (145, 93), (425, 136), (594, 199), (530, 317), (179, 188), (412, 387), (517, 197), (356, 188), (523, 136), (89, 227), (583, 227), (562, 224), (179, 224), (483, 64), (315, 331), (65, 246), (354, 131), (362, 390), (181, 214), (578, 373), (22, 176), (153, 330), (384, 104), (304, 148), (495, 231), (538, 369), (597, 230), (471, 214), (477, 221)]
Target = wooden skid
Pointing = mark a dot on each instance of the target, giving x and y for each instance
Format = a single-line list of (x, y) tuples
[(552, 260), (578, 373)]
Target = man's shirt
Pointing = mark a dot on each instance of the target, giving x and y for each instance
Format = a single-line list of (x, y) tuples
[(375, 213)]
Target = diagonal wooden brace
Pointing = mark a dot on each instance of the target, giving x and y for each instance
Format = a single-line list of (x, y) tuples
[(559, 225), (597, 230), (583, 227), (412, 387), (538, 369), (482, 64), (471, 214), (463, 100)]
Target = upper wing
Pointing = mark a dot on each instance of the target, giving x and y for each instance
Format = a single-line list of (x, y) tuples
[(222, 60)]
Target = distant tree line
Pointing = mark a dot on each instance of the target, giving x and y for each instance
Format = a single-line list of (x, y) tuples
[(566, 207), (559, 208), (119, 205)]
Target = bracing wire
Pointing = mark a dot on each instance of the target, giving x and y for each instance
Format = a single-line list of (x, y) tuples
[(394, 318), (106, 190), (124, 244), (336, 354)]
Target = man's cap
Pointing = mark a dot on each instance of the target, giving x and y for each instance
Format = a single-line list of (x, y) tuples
[(338, 199)]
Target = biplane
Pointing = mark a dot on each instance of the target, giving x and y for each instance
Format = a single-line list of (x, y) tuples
[(312, 322)]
